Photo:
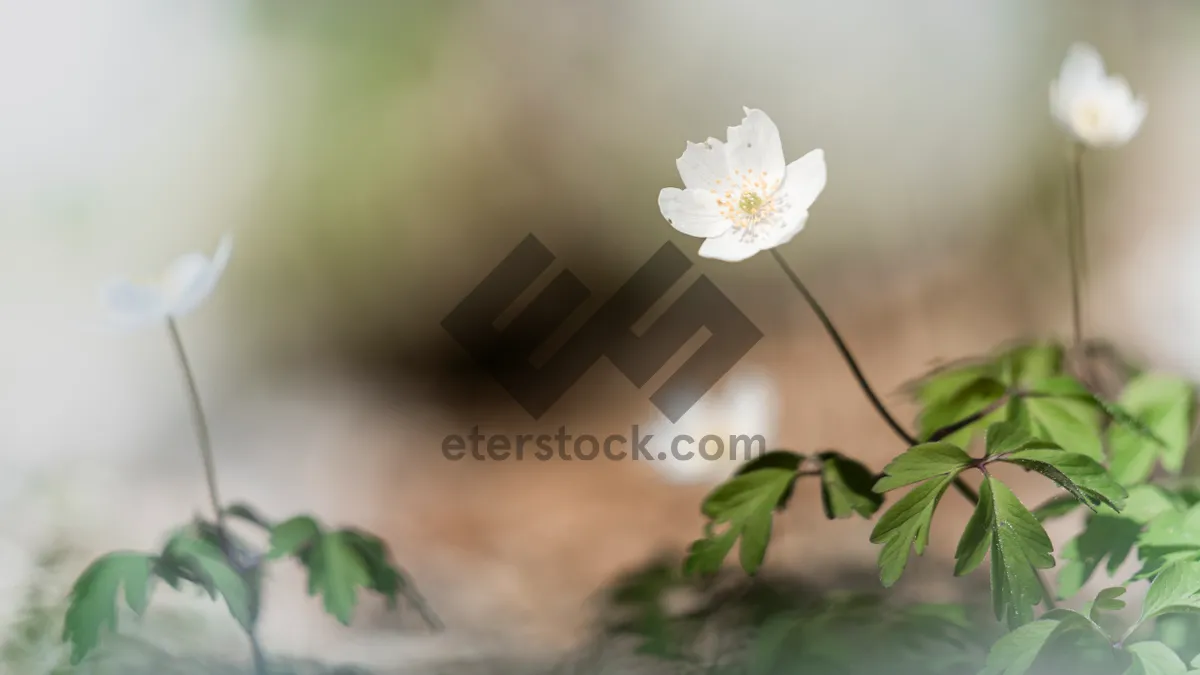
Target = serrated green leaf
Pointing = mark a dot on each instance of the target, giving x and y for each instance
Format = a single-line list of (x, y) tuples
[(1019, 547), (1154, 658), (1170, 537), (1104, 537), (1072, 425), (775, 459), (336, 571), (905, 526), (1015, 653), (386, 579), (745, 504), (846, 487), (207, 567), (1024, 365), (1056, 507), (292, 535), (955, 394), (1175, 590), (922, 462), (1083, 477), (1107, 600), (92, 606), (1166, 405), (1004, 438)]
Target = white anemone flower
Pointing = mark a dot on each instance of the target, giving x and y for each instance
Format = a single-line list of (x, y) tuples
[(740, 196), (743, 415), (1098, 110), (185, 284)]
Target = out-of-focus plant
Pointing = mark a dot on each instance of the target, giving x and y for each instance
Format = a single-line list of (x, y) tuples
[(206, 553), (1034, 404)]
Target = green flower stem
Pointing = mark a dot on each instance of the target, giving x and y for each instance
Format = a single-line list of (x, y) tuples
[(200, 424), (959, 484), (1076, 241)]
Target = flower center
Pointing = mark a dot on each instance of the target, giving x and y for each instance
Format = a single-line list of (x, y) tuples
[(750, 203), (749, 200), (1089, 116)]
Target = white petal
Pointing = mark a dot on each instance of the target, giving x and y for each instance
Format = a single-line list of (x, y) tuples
[(702, 166), (805, 180), (729, 247), (132, 305), (693, 212), (1082, 69), (192, 278), (787, 228), (755, 147)]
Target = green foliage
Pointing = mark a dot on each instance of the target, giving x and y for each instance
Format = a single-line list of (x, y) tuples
[(1167, 406), (745, 505), (846, 487), (1003, 528), (339, 563), (94, 603)]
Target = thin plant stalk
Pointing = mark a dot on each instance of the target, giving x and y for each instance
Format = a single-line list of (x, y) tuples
[(959, 484), (1077, 243), (204, 440), (199, 424)]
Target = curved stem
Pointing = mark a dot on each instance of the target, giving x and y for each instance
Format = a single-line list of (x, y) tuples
[(959, 484), (199, 423), (846, 355)]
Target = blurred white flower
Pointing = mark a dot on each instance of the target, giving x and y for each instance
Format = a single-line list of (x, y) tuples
[(187, 282), (1099, 110), (739, 196), (745, 408)]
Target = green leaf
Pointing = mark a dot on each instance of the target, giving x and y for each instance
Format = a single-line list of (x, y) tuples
[(1169, 537), (1154, 658), (290, 536), (1005, 438), (247, 513), (846, 487), (905, 526), (922, 462), (1107, 600), (93, 600), (1166, 405), (336, 571), (746, 505), (1083, 477), (1072, 425), (1056, 507), (339, 563), (204, 564), (1176, 590), (1015, 653), (1112, 536), (775, 459), (1017, 545), (954, 394), (1104, 537), (384, 578)]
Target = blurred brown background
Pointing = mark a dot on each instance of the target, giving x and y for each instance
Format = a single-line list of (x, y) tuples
[(376, 159)]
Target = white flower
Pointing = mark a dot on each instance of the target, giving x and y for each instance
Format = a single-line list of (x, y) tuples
[(742, 415), (1099, 110), (187, 282), (739, 194)]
